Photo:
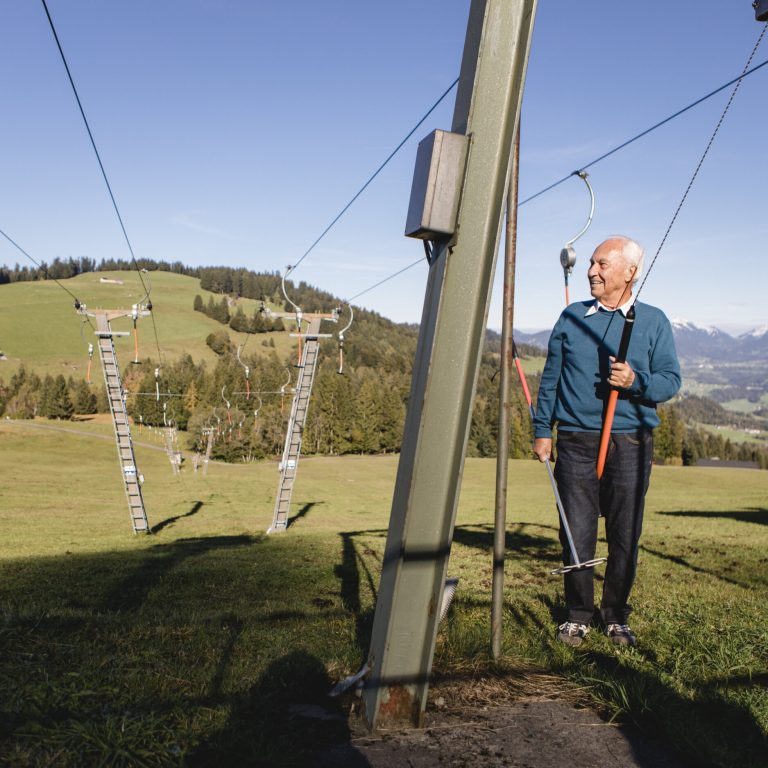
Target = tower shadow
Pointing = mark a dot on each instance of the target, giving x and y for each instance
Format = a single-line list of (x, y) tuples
[(171, 520)]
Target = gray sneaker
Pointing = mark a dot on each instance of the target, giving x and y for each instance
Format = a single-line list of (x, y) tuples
[(572, 633), (621, 634)]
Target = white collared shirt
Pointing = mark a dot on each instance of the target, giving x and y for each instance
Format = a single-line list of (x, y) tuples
[(597, 307)]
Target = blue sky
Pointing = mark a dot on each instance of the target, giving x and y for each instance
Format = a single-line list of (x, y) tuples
[(233, 132)]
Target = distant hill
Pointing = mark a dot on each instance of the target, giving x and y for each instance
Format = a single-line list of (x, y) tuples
[(40, 327)]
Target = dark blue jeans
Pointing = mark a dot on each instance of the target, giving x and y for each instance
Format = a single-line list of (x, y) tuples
[(620, 497)]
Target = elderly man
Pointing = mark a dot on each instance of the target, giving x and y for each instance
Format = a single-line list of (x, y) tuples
[(580, 371)]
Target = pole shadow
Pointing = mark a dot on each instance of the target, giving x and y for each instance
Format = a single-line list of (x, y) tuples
[(303, 512), (757, 515), (171, 520), (348, 572)]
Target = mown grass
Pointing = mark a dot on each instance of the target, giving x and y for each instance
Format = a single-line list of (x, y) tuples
[(40, 328), (191, 646)]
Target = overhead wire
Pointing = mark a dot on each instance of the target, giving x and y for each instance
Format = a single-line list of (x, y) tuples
[(629, 318), (645, 132), (375, 174), (101, 166), (602, 157), (39, 266), (385, 280), (738, 82)]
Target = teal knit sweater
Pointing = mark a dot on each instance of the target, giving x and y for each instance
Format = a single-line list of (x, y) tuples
[(573, 389)]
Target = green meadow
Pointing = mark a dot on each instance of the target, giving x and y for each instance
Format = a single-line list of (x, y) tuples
[(190, 646), (40, 327)]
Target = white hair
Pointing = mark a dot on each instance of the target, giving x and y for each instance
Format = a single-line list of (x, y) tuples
[(633, 252)]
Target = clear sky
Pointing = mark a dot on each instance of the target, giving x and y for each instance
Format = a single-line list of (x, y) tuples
[(233, 132)]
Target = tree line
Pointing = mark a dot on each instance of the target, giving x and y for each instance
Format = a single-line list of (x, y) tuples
[(361, 411)]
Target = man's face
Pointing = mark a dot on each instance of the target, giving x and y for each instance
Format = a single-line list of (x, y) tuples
[(609, 274)]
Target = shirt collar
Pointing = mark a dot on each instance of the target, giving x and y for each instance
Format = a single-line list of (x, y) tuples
[(598, 307)]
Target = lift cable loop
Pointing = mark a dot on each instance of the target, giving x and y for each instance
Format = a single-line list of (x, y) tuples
[(228, 404), (287, 272), (89, 345), (341, 336), (246, 370), (256, 414), (630, 317), (282, 390), (568, 253)]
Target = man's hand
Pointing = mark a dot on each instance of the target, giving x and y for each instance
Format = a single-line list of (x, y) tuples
[(622, 376), (542, 447)]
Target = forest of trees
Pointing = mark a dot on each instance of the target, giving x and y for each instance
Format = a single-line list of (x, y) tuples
[(361, 411)]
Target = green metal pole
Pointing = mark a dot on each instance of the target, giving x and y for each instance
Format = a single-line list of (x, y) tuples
[(445, 371)]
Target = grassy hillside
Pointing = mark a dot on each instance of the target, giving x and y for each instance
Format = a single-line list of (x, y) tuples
[(195, 645), (40, 328)]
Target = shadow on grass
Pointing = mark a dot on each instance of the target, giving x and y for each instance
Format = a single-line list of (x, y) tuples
[(286, 719), (177, 654), (677, 560), (171, 520), (138, 658), (348, 572), (516, 542), (131, 590), (757, 515), (303, 512), (704, 725)]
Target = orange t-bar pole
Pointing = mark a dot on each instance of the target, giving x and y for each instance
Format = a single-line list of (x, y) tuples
[(610, 410)]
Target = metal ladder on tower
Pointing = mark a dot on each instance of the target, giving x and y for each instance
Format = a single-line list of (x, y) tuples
[(292, 450), (120, 420)]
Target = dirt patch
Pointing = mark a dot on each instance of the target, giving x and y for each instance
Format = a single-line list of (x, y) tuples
[(489, 723)]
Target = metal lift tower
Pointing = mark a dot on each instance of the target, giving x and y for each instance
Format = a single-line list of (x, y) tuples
[(289, 464), (462, 262), (114, 385)]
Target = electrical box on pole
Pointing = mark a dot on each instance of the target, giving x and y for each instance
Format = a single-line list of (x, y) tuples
[(446, 367), (436, 188)]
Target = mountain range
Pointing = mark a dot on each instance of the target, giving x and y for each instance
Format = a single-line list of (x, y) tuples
[(695, 344)]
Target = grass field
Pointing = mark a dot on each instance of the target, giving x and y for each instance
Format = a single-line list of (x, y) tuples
[(187, 647), (746, 406), (735, 435), (40, 328)]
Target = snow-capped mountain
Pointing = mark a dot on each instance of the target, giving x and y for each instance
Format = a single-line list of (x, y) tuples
[(695, 343), (754, 344)]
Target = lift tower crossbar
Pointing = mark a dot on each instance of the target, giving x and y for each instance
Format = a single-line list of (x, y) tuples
[(115, 395), (289, 463)]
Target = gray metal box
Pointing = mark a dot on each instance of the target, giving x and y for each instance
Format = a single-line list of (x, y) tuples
[(437, 181)]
